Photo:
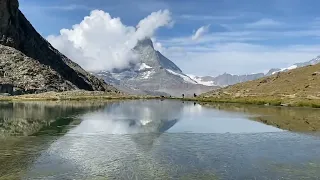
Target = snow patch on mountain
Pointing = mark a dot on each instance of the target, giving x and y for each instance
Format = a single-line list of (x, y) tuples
[(315, 60), (286, 69), (290, 68), (183, 76), (199, 80), (102, 73), (147, 74), (144, 66)]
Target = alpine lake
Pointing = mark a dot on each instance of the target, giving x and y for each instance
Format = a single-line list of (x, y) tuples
[(157, 139)]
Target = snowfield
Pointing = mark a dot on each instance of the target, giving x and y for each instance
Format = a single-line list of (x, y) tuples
[(200, 81), (144, 66), (286, 69), (184, 77)]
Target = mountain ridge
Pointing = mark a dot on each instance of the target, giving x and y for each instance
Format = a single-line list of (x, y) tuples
[(227, 79), (302, 83), (18, 33), (153, 74)]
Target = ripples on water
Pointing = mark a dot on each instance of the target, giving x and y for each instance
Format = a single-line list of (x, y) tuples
[(148, 140)]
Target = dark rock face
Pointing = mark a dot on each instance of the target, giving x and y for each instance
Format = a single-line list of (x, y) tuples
[(17, 32), (6, 88)]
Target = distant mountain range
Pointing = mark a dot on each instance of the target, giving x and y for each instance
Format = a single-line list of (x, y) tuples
[(229, 79), (157, 75), (299, 87), (154, 74), (225, 79)]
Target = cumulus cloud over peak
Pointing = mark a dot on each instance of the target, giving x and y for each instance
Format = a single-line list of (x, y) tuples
[(200, 32), (148, 25), (101, 42)]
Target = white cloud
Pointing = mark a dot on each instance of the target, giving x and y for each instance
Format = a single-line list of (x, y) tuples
[(157, 45), (240, 51), (101, 42), (147, 26), (200, 32), (238, 58), (262, 23), (256, 36)]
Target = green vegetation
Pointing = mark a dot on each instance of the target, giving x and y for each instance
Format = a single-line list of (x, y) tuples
[(267, 101), (96, 95), (74, 96), (299, 87)]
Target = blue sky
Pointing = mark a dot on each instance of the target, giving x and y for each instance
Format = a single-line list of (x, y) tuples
[(240, 37)]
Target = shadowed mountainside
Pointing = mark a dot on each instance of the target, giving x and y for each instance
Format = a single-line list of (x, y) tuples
[(17, 32)]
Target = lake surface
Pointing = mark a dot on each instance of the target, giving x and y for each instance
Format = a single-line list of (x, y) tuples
[(155, 139)]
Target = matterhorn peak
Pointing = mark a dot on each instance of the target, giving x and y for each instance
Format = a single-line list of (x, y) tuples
[(145, 42)]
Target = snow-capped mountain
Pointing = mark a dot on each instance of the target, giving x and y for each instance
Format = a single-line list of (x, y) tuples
[(229, 79), (297, 65), (153, 74), (156, 75), (204, 80), (226, 79)]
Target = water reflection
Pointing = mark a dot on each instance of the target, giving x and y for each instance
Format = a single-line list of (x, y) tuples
[(199, 119), (134, 117), (293, 119), (33, 119), (149, 140), (125, 137), (131, 118), (27, 118)]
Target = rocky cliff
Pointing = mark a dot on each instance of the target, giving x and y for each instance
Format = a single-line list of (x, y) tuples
[(36, 57)]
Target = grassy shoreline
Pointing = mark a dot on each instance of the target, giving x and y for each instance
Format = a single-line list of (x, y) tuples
[(82, 98), (74, 96), (96, 95), (302, 122), (268, 101)]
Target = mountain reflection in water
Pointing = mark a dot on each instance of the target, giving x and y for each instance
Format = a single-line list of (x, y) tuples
[(131, 118), (148, 140)]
